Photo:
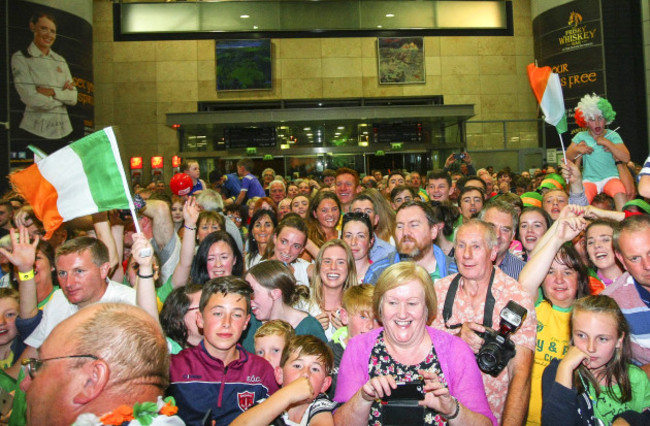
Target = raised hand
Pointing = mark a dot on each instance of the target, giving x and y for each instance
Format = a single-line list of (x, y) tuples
[(191, 212), (23, 253), (142, 250), (568, 228)]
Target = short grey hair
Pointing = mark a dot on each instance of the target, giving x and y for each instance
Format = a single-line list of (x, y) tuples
[(488, 231), (276, 182), (210, 199), (503, 207)]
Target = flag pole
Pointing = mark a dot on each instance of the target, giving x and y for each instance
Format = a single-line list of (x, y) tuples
[(118, 160), (562, 144)]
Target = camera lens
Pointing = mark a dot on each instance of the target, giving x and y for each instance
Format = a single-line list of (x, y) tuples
[(488, 357)]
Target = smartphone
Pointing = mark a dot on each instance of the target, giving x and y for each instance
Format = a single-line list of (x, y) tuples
[(412, 390)]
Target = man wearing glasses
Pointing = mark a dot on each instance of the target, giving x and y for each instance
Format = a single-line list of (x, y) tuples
[(82, 267), (105, 356)]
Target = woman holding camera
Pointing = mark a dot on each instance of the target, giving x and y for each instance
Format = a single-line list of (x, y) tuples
[(406, 350)]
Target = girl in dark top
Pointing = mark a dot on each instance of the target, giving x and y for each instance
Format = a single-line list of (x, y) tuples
[(595, 381)]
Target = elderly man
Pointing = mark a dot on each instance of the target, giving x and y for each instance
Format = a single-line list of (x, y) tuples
[(82, 267), (277, 191), (504, 219), (104, 356), (472, 300), (632, 289)]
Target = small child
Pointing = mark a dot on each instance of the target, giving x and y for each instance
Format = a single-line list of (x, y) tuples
[(271, 339), (601, 149), (11, 343), (595, 381), (358, 317), (304, 374)]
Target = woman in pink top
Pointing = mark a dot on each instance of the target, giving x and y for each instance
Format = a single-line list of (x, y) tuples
[(407, 350)]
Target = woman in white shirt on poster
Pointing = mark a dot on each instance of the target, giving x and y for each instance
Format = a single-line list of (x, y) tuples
[(44, 83)]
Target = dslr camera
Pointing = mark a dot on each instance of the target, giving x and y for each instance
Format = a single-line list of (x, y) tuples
[(497, 347), (402, 406), (460, 156)]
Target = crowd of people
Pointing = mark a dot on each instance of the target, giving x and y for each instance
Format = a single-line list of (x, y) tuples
[(456, 296)]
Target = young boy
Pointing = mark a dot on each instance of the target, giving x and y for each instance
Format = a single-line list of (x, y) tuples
[(304, 374), (358, 317), (218, 379), (271, 339)]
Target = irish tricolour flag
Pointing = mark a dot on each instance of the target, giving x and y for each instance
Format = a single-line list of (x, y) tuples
[(83, 178), (548, 91)]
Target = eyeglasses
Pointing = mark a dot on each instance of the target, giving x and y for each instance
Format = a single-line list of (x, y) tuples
[(32, 365), (234, 218)]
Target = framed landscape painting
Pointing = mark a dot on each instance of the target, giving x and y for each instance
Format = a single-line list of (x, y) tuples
[(401, 60), (243, 64)]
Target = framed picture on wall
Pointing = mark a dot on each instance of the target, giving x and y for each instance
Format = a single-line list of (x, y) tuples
[(243, 65), (400, 60)]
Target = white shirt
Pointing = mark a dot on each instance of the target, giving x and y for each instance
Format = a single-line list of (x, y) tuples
[(300, 271), (44, 116), (59, 309)]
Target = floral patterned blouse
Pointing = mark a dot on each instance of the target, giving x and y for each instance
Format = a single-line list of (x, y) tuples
[(382, 364)]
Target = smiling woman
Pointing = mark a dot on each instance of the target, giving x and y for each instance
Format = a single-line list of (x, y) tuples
[(274, 294), (262, 225), (323, 217), (405, 350), (334, 272), (286, 245), (217, 256)]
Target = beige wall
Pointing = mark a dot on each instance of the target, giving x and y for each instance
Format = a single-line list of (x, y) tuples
[(137, 83)]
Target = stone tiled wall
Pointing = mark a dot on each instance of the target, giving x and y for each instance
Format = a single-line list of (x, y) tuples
[(137, 83)]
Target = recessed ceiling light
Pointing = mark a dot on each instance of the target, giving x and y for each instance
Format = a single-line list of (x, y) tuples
[(306, 129), (390, 15), (255, 27), (248, 16), (341, 127), (380, 26)]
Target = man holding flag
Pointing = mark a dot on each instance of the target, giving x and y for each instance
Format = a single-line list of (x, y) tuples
[(85, 177)]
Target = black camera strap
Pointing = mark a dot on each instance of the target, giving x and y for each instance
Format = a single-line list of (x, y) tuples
[(451, 295)]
